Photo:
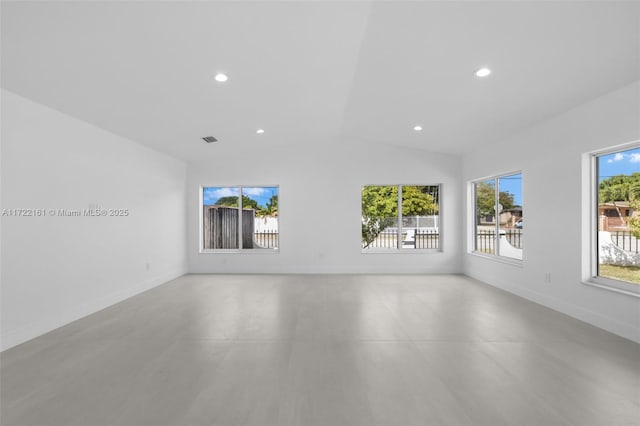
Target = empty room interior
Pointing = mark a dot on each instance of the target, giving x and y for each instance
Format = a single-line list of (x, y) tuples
[(460, 193)]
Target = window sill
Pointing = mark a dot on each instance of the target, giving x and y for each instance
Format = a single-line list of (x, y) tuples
[(500, 259), (614, 286)]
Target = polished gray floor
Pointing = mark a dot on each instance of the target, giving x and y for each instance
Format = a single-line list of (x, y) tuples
[(323, 350)]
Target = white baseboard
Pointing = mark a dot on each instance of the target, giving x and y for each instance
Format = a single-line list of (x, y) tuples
[(30, 331), (314, 269), (596, 319)]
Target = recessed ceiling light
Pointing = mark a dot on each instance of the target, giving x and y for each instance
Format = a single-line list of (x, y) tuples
[(220, 77), (483, 72), (260, 131), (417, 128)]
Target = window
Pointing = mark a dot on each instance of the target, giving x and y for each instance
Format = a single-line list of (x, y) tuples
[(232, 222), (498, 226), (615, 221), (400, 217)]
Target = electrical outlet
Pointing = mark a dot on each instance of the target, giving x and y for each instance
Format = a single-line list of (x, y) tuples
[(547, 277), (148, 265)]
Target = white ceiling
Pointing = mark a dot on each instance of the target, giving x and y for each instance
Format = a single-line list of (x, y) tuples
[(310, 72)]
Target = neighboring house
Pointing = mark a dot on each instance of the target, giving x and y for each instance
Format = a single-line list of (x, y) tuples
[(615, 216), (509, 217), (487, 219)]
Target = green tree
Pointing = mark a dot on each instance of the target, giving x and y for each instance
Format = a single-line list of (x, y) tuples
[(271, 209), (380, 201), (486, 200), (232, 201), (379, 208), (417, 201), (506, 200), (617, 188)]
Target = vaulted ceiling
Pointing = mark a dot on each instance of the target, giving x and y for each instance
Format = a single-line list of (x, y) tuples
[(316, 72)]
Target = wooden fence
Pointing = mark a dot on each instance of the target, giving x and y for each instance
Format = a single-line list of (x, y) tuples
[(221, 227)]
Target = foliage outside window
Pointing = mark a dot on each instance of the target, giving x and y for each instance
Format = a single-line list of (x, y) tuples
[(617, 222), (498, 216), (400, 217), (240, 218)]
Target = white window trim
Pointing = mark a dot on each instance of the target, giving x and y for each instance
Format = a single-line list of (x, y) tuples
[(471, 230), (500, 259), (398, 249), (201, 248), (590, 224)]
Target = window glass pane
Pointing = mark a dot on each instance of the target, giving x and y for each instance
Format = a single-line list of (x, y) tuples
[(380, 217), (511, 224), (260, 218), (420, 217), (220, 218), (485, 221), (619, 216)]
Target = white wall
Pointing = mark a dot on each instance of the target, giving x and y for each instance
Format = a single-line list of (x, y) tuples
[(58, 269), (320, 183), (550, 157)]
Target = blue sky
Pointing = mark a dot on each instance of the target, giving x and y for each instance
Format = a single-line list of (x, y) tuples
[(261, 194), (513, 184), (620, 163)]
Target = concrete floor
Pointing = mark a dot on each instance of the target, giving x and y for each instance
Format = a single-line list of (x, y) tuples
[(323, 350)]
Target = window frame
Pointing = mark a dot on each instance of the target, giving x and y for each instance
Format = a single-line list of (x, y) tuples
[(240, 249), (473, 229), (398, 249), (590, 221)]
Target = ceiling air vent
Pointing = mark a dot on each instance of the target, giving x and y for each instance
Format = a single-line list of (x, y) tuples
[(209, 139)]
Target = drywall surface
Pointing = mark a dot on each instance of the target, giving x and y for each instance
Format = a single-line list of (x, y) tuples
[(551, 158), (62, 257), (320, 207)]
